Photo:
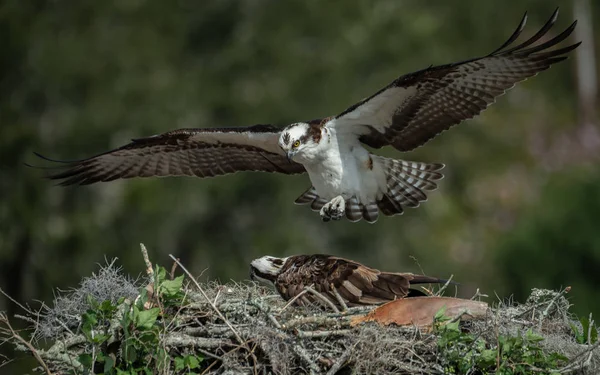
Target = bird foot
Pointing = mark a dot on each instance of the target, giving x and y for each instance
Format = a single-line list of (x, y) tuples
[(334, 209)]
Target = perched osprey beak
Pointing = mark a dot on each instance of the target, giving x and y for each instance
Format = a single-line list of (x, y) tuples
[(289, 155)]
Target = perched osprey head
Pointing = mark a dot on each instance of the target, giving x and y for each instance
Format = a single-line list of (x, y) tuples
[(266, 269), (302, 141)]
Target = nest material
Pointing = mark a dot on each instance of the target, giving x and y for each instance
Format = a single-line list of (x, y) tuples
[(283, 339)]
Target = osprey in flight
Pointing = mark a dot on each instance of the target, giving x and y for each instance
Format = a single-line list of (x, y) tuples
[(335, 278), (347, 180)]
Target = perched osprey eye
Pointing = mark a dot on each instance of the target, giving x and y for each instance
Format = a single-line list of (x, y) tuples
[(296, 144)]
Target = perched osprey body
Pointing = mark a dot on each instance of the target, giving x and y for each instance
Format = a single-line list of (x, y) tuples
[(347, 180), (355, 283)]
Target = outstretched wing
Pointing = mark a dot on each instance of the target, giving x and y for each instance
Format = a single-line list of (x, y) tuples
[(418, 106), (184, 152)]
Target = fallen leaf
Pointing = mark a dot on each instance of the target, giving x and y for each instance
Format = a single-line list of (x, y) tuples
[(420, 311)]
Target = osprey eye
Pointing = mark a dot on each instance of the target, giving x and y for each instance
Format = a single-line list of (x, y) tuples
[(296, 144)]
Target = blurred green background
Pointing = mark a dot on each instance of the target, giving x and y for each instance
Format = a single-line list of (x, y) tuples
[(519, 207)]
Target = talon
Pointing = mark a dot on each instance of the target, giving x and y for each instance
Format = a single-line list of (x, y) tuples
[(334, 209)]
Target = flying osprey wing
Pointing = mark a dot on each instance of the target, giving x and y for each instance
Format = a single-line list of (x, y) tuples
[(418, 106), (184, 152)]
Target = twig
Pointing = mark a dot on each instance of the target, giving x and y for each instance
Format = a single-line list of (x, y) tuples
[(149, 267), (590, 326), (208, 368), (183, 340), (552, 302), (443, 287), (304, 355), (340, 362), (17, 337), (217, 296), (321, 320), (15, 302), (339, 298), (319, 334), (478, 295), (212, 305), (292, 300), (573, 365), (322, 298), (458, 317), (173, 268), (270, 316)]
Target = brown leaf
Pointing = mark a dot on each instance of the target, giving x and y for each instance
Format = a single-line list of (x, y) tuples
[(420, 311)]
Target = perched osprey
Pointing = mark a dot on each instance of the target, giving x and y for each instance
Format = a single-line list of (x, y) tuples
[(347, 180), (355, 283)]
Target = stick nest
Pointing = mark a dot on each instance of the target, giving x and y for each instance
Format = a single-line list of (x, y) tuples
[(243, 328)]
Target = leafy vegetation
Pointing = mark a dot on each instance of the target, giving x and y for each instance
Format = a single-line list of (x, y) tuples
[(138, 349), (588, 334), (462, 352)]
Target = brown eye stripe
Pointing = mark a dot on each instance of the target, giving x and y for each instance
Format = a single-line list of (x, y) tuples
[(277, 262)]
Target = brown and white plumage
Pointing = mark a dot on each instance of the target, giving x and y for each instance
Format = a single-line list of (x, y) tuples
[(418, 106), (347, 180), (186, 152), (355, 283)]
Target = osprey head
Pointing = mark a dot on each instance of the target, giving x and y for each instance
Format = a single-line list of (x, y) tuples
[(301, 141), (266, 269)]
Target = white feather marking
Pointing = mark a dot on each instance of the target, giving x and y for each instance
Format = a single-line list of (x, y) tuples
[(267, 265), (376, 112)]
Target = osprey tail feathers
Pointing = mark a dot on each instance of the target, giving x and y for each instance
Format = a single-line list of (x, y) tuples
[(407, 182)]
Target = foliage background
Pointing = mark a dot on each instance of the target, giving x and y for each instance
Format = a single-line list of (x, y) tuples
[(518, 208)]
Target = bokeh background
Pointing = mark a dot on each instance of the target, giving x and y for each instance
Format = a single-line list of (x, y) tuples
[(519, 207)]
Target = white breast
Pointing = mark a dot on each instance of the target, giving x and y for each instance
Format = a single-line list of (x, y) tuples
[(345, 169)]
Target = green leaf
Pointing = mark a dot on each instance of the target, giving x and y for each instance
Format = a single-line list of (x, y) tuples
[(109, 363), (160, 274), (130, 352), (170, 288), (192, 361), (88, 321), (593, 332), (85, 360), (488, 356), (143, 298), (533, 337), (578, 336), (89, 318), (145, 319), (107, 307), (454, 326), (100, 338), (179, 363), (439, 315), (92, 301)]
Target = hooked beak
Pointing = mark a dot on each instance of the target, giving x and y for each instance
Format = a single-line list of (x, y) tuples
[(289, 155)]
